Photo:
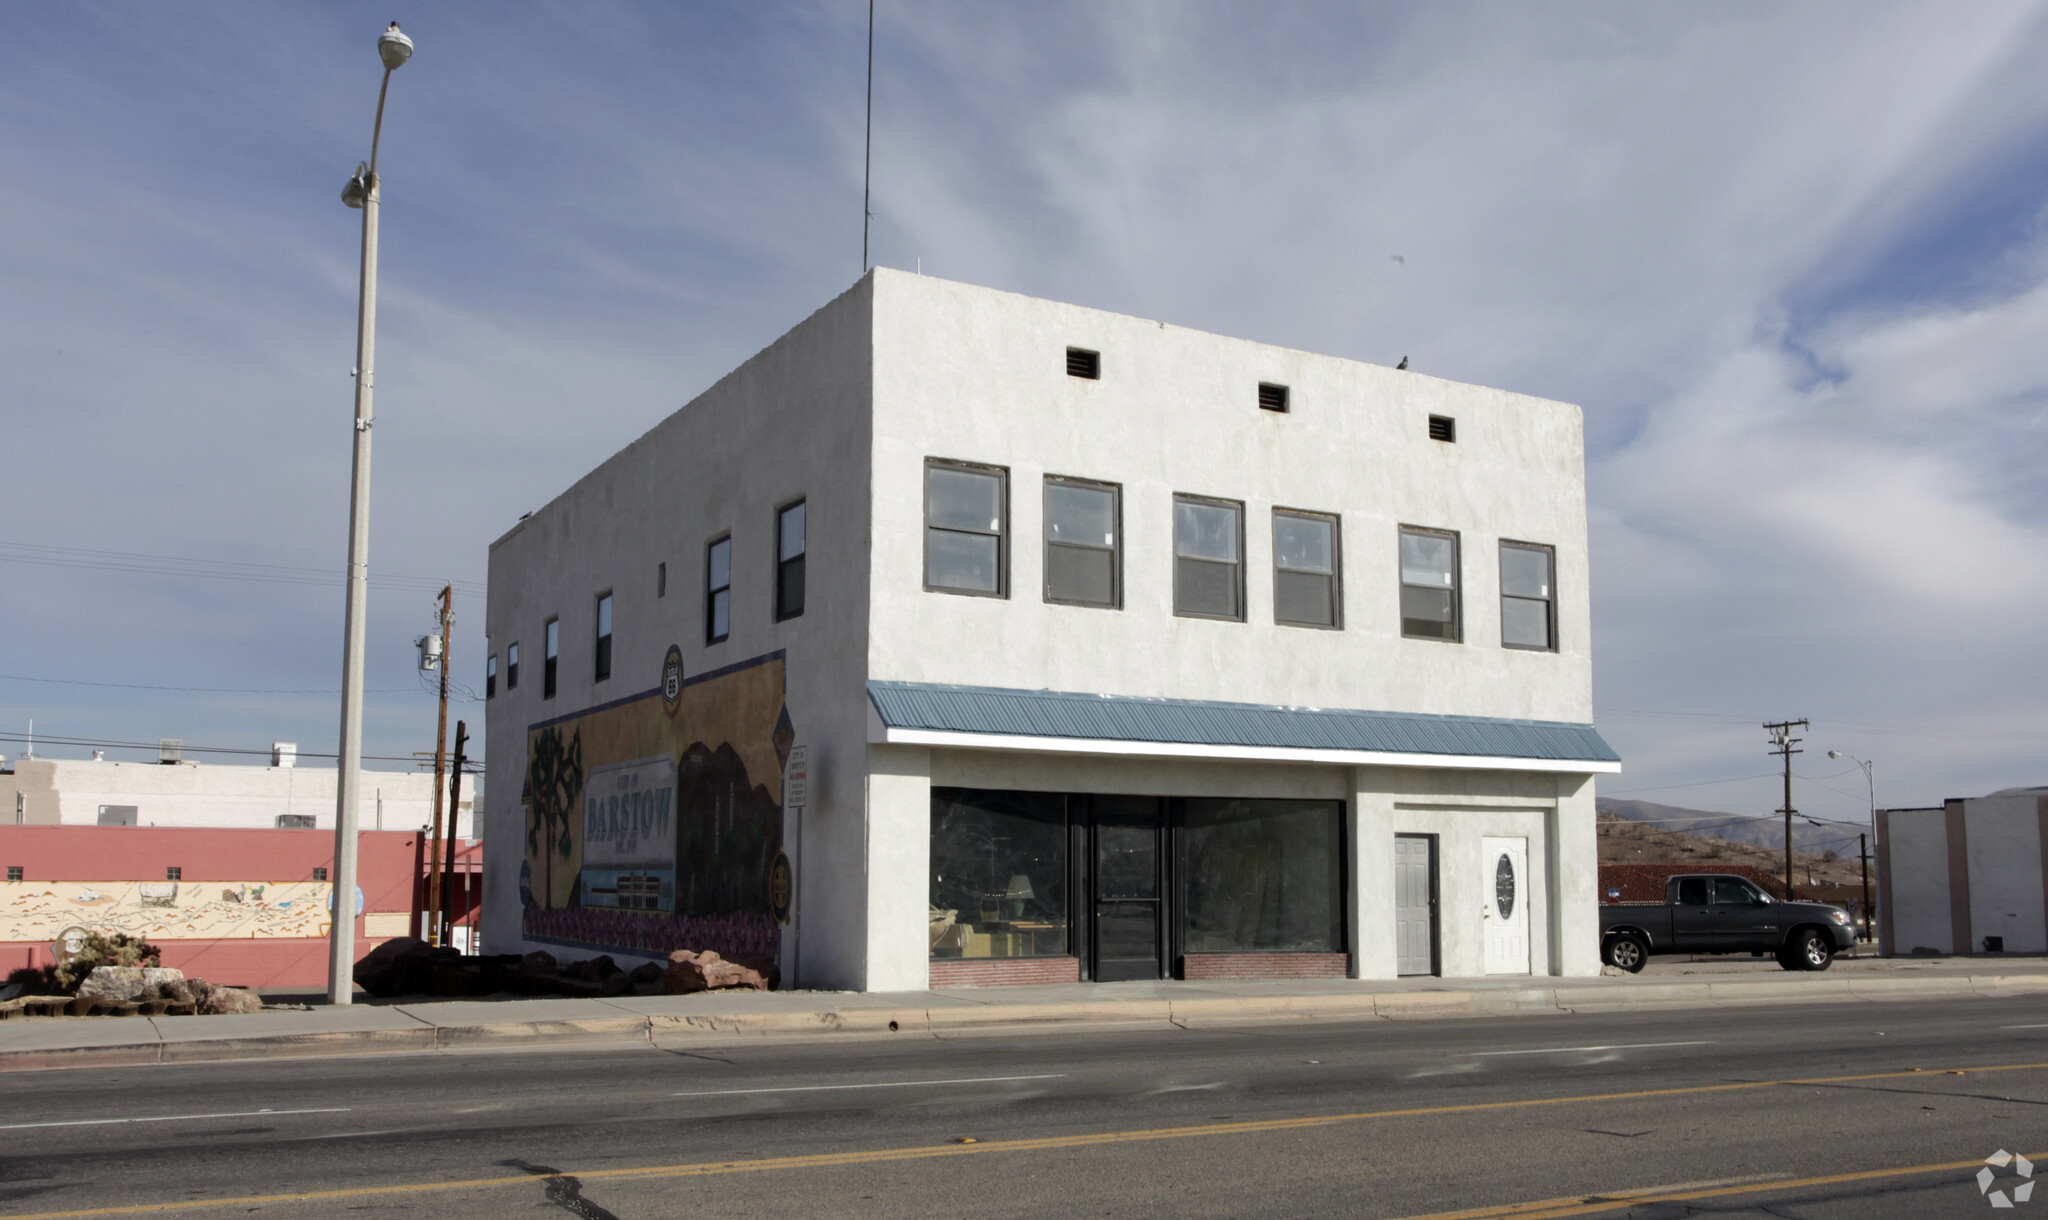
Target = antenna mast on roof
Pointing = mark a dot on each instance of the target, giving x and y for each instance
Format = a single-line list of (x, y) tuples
[(867, 176)]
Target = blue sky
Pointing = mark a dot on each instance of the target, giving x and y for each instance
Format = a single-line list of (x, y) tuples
[(1790, 259)]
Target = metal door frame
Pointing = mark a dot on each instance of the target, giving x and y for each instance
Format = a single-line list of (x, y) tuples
[(1436, 959), (1165, 938)]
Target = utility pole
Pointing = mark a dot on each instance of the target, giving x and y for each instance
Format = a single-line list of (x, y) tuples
[(454, 816), (1863, 850), (447, 616), (1783, 741)]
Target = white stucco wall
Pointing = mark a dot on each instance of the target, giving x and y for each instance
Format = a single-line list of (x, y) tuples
[(791, 422), (70, 792), (1917, 843), (2002, 841), (972, 374)]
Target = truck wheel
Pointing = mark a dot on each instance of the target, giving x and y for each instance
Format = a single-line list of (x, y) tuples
[(1810, 949), (1627, 953)]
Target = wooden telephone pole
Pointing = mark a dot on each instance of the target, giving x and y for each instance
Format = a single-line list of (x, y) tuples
[(433, 926), (1783, 741)]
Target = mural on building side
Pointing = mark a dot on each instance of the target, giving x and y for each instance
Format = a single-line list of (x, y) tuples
[(652, 822), (38, 911)]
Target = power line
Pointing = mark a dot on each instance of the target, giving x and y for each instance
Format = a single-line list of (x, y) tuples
[(1874, 726), (201, 690), (95, 743), (213, 569)]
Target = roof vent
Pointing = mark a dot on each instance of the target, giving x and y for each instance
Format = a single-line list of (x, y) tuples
[(1272, 397), (284, 753), (1443, 428), (169, 750), (1082, 363)]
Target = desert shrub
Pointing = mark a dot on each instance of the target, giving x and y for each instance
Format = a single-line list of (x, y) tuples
[(35, 980), (106, 949)]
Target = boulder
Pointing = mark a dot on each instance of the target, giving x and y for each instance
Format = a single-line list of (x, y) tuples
[(377, 972), (705, 970), (619, 983), (223, 1000), (540, 961), (127, 982), (596, 969), (647, 972)]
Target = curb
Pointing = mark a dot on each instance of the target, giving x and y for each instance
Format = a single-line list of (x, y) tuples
[(689, 1029)]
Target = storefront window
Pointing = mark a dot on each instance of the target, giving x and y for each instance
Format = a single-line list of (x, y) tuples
[(999, 874), (1263, 877)]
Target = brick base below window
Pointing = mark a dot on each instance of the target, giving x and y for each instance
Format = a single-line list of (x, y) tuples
[(1004, 971), (1266, 966)]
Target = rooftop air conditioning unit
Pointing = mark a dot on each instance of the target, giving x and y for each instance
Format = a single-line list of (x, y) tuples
[(170, 750), (284, 753)]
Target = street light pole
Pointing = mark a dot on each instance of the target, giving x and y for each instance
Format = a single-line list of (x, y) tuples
[(394, 49), (1863, 845)]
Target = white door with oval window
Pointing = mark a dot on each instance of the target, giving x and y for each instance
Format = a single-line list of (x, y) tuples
[(1505, 911)]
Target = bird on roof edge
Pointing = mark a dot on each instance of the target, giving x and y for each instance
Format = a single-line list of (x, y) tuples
[(1403, 364)]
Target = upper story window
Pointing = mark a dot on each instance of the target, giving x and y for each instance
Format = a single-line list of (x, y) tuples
[(1528, 607), (789, 561), (1083, 545), (491, 676), (1429, 584), (718, 590), (174, 873), (550, 653), (1208, 569), (602, 654), (512, 666), (1306, 585), (966, 549), (660, 580)]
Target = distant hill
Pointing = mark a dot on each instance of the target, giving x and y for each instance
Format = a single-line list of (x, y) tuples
[(1766, 831)]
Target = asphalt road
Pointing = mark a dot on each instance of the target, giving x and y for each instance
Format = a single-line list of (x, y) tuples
[(1872, 1110)]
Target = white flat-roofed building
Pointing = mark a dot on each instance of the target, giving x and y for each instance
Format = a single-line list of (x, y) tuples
[(1095, 648), (101, 792)]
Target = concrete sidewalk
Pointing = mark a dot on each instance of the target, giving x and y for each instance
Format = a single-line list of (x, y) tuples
[(714, 1018)]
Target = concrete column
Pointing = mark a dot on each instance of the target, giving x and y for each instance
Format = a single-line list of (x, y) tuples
[(897, 869), (1572, 845), (1373, 954)]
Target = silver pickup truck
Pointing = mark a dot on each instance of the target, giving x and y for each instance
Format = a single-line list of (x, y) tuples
[(1718, 913)]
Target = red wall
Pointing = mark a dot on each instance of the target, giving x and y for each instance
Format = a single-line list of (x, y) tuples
[(388, 869)]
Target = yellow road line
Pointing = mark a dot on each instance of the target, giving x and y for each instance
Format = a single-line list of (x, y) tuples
[(871, 1156), (1586, 1205)]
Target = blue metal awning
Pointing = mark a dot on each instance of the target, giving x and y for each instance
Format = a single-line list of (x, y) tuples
[(925, 711)]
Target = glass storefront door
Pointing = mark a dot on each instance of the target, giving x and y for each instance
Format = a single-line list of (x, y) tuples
[(1128, 858)]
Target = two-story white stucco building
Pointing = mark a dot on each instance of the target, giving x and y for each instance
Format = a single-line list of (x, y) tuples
[(1092, 647)]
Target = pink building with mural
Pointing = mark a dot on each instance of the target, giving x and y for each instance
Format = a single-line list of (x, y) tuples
[(248, 908)]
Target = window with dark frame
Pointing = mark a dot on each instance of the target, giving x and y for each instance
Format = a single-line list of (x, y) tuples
[(1083, 543), (1443, 428), (1307, 586), (174, 873), (512, 666), (491, 676), (718, 590), (14, 872), (602, 654), (1208, 565), (1528, 604), (966, 544), (1084, 364), (320, 874), (550, 653), (1429, 585), (789, 561), (1272, 397)]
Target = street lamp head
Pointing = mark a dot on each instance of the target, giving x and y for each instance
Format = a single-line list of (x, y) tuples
[(357, 188), (393, 48), (1834, 753)]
